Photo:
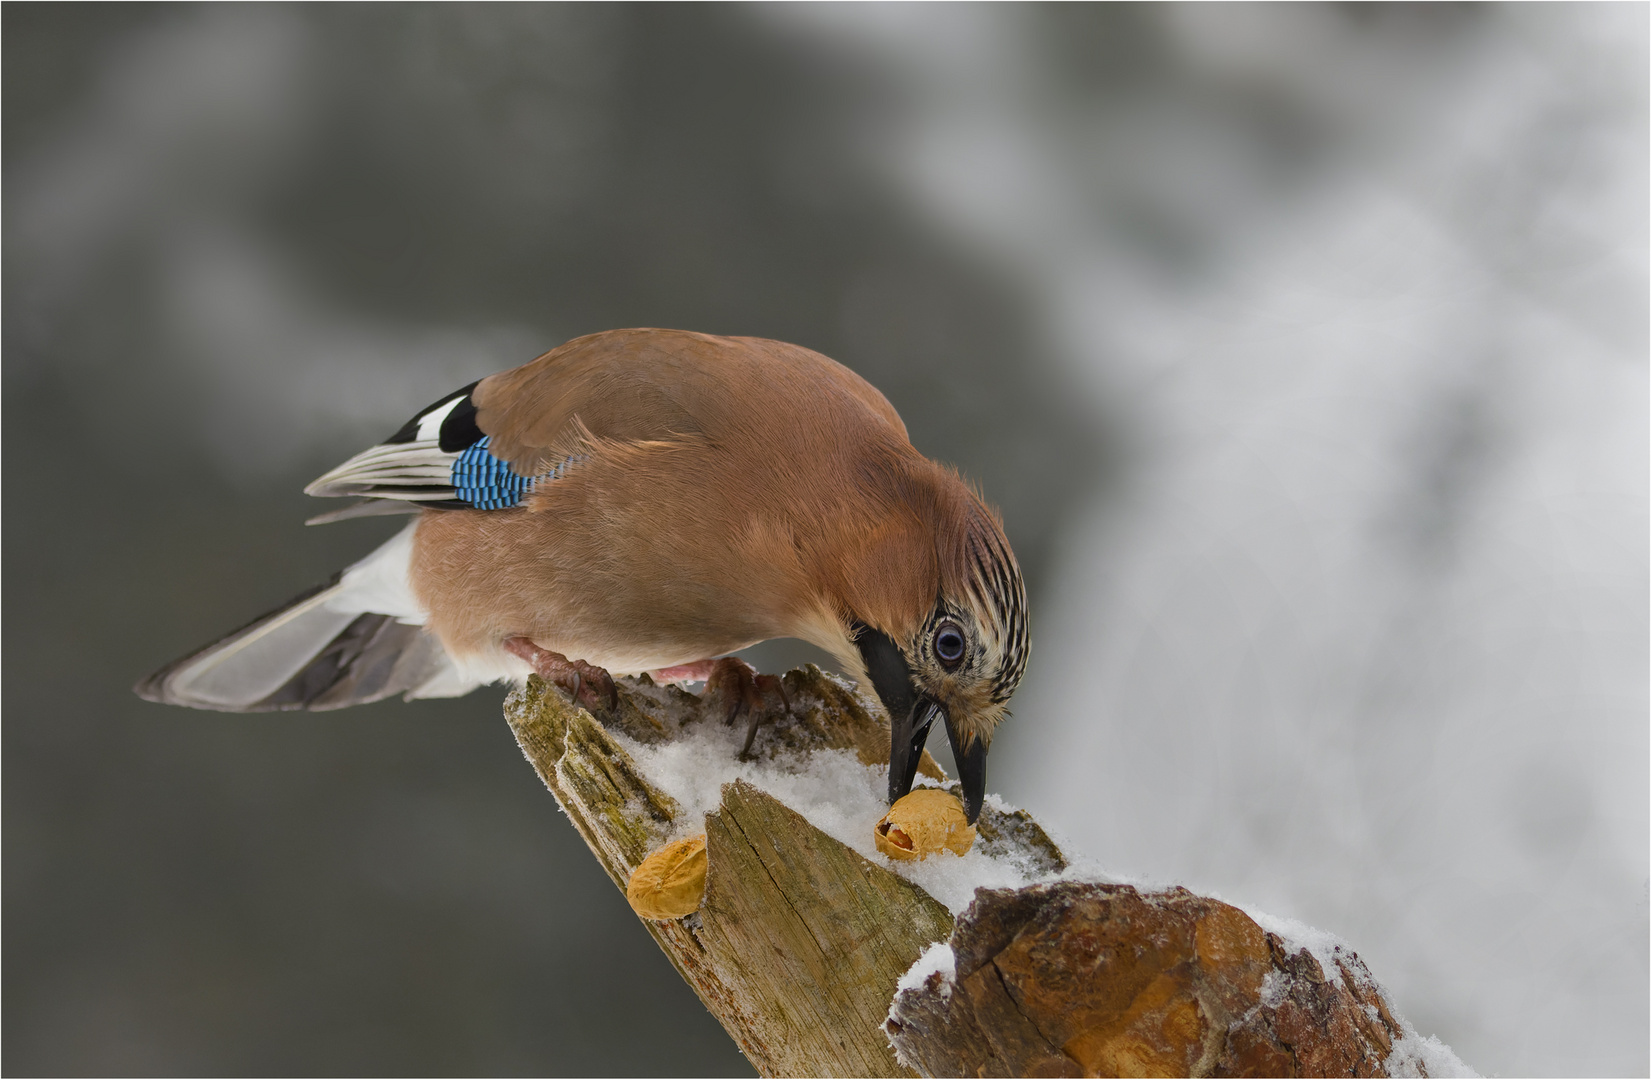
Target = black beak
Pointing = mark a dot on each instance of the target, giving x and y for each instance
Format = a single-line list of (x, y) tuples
[(906, 750), (910, 716), (971, 768), (906, 738)]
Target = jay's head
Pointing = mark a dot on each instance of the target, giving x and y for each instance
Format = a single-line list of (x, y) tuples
[(959, 660)]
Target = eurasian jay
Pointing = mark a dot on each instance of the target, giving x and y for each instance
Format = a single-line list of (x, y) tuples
[(645, 501)]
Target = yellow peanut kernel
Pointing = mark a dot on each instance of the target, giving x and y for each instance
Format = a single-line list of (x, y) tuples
[(670, 883), (924, 822)]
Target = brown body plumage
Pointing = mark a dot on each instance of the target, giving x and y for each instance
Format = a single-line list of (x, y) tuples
[(728, 491)]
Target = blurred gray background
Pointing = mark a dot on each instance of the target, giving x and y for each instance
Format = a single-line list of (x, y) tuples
[(1303, 348)]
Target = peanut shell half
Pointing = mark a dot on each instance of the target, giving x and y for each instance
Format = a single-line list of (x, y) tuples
[(670, 883), (924, 822)]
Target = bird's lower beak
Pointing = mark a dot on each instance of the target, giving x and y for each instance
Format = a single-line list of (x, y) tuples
[(971, 768), (906, 750)]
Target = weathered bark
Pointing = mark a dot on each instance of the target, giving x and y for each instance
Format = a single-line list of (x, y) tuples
[(1083, 979), (800, 941)]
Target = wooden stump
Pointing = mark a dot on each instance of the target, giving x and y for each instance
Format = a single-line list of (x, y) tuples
[(800, 940)]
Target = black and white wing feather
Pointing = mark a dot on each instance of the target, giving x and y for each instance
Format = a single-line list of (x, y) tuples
[(439, 460)]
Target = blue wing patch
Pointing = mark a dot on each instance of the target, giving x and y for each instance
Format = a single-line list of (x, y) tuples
[(487, 483), (439, 460)]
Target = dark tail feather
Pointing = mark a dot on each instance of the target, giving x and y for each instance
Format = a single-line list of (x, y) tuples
[(375, 657), (306, 655)]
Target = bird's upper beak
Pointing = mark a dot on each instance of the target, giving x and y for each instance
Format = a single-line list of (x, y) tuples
[(909, 731)]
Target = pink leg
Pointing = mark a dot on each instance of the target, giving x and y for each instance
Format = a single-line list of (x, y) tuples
[(698, 671), (585, 683), (743, 689)]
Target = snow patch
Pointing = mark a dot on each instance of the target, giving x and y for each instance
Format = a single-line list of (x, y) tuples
[(1273, 990), (1323, 945), (1424, 1055), (937, 959)]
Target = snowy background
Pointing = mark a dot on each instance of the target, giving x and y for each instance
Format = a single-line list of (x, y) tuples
[(1304, 349)]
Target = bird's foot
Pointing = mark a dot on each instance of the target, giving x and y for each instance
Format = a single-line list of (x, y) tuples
[(586, 684), (743, 690)]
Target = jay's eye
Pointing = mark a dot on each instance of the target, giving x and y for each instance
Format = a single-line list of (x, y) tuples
[(948, 645)]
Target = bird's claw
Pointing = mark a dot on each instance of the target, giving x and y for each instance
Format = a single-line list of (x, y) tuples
[(744, 690), (586, 684)]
